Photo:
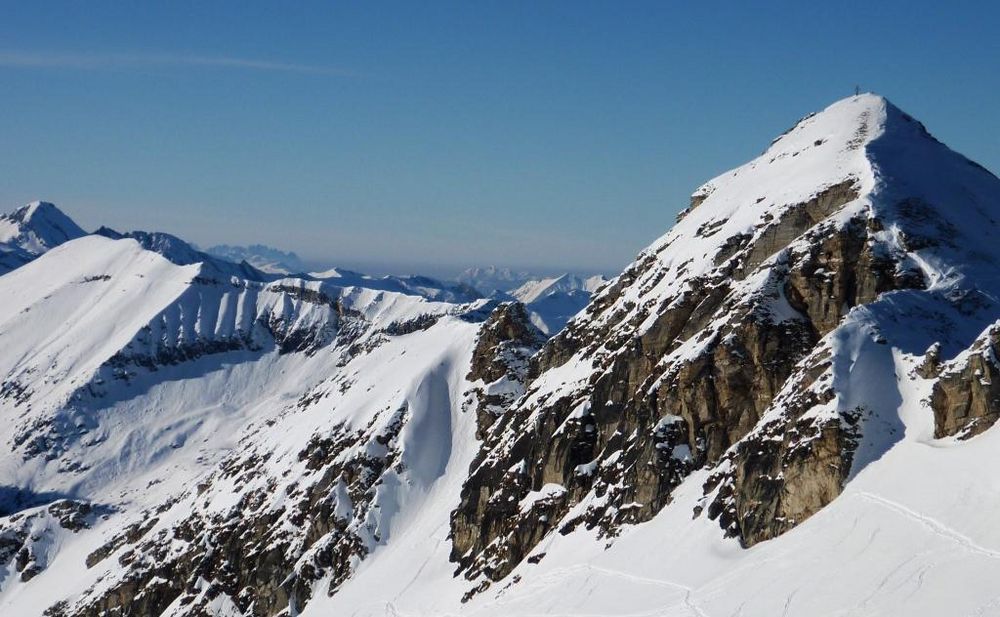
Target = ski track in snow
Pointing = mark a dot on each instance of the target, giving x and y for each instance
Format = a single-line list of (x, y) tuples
[(934, 525)]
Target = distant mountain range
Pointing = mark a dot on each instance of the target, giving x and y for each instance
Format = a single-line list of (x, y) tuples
[(264, 258), (491, 280), (551, 300)]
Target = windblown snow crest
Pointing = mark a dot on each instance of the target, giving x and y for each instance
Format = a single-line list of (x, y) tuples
[(191, 436)]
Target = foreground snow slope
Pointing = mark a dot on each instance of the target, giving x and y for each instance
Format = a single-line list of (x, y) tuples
[(912, 535)]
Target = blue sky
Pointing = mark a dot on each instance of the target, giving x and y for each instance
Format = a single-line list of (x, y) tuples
[(431, 136)]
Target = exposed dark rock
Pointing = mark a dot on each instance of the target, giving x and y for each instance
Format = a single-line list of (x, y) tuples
[(652, 412), (25, 537), (966, 397), (423, 322), (500, 361), (266, 559)]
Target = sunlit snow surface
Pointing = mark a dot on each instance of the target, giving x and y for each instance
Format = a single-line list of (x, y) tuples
[(912, 534)]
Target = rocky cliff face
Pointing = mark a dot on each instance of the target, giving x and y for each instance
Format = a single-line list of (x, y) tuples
[(723, 346), (500, 361), (265, 560), (966, 394)]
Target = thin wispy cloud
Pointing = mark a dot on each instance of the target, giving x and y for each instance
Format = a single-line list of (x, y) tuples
[(96, 61)]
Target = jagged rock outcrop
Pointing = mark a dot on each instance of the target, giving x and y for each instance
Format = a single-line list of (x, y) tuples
[(966, 395), (790, 465), (26, 536), (500, 361), (643, 423), (262, 558)]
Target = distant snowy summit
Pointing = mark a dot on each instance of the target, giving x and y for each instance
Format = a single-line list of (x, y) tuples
[(537, 289), (32, 230), (551, 300)]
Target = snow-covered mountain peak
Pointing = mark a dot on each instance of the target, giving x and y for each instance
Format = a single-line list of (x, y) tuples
[(32, 230), (768, 338), (848, 124), (859, 157), (552, 301), (37, 212), (822, 150), (38, 227)]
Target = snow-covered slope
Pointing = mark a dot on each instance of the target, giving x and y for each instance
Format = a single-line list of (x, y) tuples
[(31, 230), (130, 381), (182, 253), (784, 406)]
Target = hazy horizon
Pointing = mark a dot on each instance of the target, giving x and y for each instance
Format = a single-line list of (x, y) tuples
[(435, 138)]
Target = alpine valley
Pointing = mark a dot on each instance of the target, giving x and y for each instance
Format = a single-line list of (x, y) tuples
[(783, 406)]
